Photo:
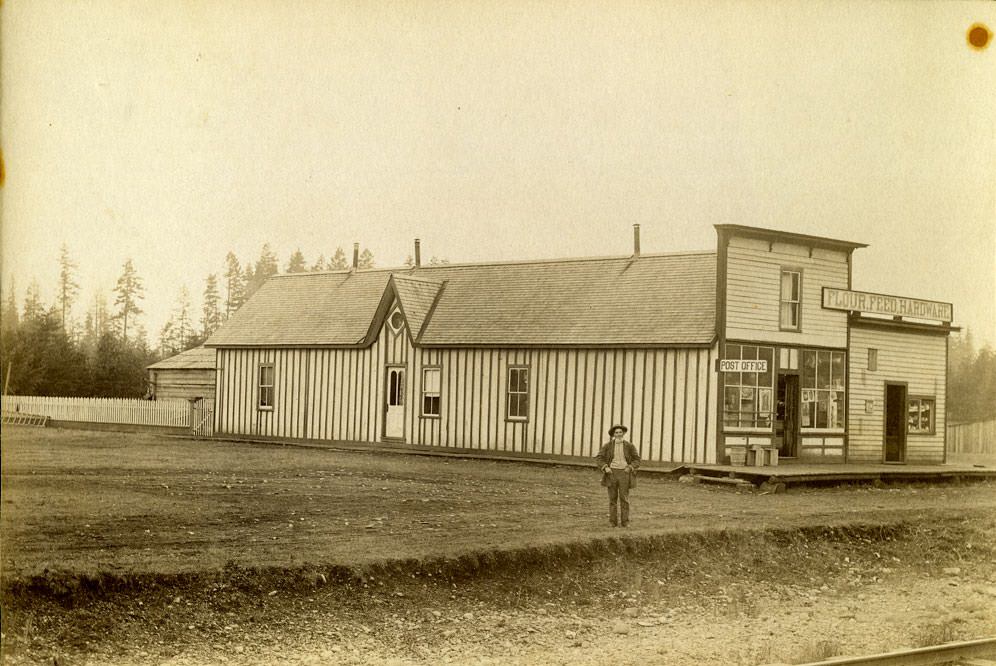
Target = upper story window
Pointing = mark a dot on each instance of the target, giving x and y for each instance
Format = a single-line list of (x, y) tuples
[(872, 359), (266, 386), (518, 393), (790, 301)]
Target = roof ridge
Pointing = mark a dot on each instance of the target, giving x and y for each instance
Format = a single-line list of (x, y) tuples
[(513, 262)]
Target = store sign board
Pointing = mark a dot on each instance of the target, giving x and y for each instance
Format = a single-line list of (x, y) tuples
[(896, 306), (742, 365)]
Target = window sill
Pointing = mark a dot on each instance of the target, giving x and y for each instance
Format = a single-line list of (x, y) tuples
[(509, 419), (264, 409), (431, 417)]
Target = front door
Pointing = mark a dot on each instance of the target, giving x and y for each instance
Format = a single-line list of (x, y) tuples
[(394, 418), (895, 423), (787, 415)]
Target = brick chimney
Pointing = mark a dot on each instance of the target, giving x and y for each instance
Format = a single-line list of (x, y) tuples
[(356, 256), (418, 253), (636, 240)]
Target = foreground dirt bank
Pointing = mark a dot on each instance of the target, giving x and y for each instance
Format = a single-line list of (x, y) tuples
[(721, 597)]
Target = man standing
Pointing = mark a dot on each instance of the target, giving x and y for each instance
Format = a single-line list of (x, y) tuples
[(618, 460)]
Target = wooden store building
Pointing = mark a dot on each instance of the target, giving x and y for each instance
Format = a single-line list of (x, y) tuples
[(760, 343)]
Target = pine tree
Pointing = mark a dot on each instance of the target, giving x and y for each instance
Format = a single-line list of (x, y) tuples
[(266, 266), (338, 260), (366, 259), (129, 292), (296, 263), (182, 317), (211, 318), (33, 308), (319, 264), (235, 286), (68, 287), (11, 318)]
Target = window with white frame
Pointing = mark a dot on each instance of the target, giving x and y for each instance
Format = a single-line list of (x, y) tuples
[(790, 301), (517, 394), (822, 382), (747, 396), (266, 375), (430, 391), (921, 416)]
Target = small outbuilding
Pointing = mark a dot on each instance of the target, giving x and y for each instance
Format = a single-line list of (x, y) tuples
[(189, 375)]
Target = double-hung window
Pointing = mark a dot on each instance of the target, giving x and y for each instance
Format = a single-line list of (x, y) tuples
[(266, 386), (430, 391), (517, 395), (790, 300)]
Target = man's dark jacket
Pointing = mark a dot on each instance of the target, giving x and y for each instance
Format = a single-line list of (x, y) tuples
[(607, 452)]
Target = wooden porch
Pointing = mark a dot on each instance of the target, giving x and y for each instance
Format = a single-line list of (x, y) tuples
[(823, 473)]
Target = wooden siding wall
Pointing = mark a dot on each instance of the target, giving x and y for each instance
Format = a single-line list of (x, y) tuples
[(753, 285), (330, 394), (667, 397), (184, 384), (917, 360)]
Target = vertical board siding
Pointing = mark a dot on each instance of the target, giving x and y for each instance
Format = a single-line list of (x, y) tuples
[(753, 284), (916, 360), (666, 397)]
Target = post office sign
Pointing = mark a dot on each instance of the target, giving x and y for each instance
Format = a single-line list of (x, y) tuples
[(742, 365)]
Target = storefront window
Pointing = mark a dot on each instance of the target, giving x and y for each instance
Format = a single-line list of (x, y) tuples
[(921, 416), (747, 396), (822, 384)]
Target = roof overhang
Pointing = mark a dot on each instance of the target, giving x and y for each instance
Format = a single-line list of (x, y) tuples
[(773, 235), (859, 321)]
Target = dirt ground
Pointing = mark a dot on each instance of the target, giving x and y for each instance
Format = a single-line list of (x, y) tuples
[(502, 563)]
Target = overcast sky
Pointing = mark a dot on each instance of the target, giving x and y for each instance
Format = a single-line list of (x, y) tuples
[(173, 132)]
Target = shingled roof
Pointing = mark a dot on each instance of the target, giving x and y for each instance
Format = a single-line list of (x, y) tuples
[(650, 300), (197, 358)]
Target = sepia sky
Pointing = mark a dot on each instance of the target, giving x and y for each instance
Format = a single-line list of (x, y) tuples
[(173, 132)]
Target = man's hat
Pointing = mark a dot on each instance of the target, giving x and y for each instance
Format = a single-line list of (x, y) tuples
[(618, 427)]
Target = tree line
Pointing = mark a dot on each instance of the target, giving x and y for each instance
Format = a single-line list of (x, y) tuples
[(45, 350)]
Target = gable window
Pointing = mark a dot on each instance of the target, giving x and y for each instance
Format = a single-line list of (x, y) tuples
[(397, 320), (266, 386), (747, 396), (921, 416), (822, 384), (430, 391), (790, 301), (517, 398)]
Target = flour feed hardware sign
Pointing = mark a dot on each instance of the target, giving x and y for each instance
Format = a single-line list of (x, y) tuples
[(896, 306), (742, 365)]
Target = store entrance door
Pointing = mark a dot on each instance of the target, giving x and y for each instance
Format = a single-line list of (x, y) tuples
[(787, 416), (895, 423)]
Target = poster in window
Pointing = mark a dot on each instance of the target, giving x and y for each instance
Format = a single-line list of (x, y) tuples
[(808, 395), (746, 393), (764, 401)]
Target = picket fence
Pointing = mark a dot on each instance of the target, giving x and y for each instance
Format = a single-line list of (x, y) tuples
[(978, 437), (175, 413)]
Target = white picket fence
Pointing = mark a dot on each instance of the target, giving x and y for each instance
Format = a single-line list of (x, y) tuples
[(174, 413)]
